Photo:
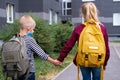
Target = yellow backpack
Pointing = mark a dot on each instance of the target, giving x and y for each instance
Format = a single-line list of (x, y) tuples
[(91, 47)]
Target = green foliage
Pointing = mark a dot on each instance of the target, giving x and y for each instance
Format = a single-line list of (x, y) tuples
[(43, 35), (50, 37), (9, 30), (1, 73), (61, 33)]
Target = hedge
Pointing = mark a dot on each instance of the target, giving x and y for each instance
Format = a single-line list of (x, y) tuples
[(50, 37)]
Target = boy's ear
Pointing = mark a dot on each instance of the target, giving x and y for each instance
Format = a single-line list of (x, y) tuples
[(28, 28)]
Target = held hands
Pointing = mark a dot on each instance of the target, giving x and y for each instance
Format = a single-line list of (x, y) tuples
[(57, 63)]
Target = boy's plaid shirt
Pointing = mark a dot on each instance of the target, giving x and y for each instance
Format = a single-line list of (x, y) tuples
[(32, 46)]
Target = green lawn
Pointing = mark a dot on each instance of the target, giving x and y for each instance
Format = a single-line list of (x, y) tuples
[(46, 70)]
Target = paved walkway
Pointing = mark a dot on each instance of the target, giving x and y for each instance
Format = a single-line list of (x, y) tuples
[(112, 71)]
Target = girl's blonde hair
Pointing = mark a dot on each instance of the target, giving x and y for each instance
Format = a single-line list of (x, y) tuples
[(89, 11)]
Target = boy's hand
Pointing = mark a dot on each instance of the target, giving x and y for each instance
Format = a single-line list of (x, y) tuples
[(57, 63)]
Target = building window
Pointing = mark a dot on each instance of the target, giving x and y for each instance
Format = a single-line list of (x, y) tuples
[(116, 0), (56, 17), (57, 0), (10, 12), (66, 8), (87, 0), (50, 17), (116, 19)]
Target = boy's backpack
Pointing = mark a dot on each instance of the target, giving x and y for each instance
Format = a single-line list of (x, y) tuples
[(91, 46), (15, 62)]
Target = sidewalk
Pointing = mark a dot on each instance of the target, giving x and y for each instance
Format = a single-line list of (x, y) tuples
[(111, 73)]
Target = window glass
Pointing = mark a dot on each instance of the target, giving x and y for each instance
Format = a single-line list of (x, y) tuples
[(56, 17), (116, 19), (50, 17), (69, 12), (69, 5), (116, 0), (10, 12), (87, 0), (67, 8)]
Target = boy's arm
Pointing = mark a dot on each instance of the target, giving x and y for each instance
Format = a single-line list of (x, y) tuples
[(55, 62), (38, 50)]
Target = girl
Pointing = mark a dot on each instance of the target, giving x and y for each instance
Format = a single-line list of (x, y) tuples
[(89, 12)]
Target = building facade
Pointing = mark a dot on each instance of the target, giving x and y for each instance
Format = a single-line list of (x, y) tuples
[(49, 10), (53, 11), (4, 8), (109, 13)]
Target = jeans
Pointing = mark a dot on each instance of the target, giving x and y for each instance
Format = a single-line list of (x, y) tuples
[(30, 77), (89, 72)]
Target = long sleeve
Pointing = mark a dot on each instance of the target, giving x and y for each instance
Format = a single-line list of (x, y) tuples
[(70, 42), (37, 49), (104, 31)]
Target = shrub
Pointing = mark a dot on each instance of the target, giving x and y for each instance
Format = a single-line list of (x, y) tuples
[(61, 33), (50, 38), (9, 30), (43, 35)]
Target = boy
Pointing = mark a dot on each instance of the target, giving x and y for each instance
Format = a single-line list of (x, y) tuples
[(27, 25)]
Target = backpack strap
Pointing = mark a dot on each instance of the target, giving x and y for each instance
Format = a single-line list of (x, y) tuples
[(78, 68), (27, 73), (79, 50), (102, 73), (5, 75), (80, 38)]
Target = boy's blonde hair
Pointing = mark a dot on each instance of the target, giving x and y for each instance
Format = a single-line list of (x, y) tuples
[(89, 10), (26, 21)]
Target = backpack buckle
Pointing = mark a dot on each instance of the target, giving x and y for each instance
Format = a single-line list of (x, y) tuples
[(15, 67), (99, 57), (4, 67), (86, 56)]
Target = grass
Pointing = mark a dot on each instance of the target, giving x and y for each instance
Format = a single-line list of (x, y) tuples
[(46, 70), (116, 41)]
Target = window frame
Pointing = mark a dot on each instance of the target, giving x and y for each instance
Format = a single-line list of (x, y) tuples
[(87, 0), (56, 17), (116, 16), (65, 8), (57, 0), (10, 13), (50, 17), (116, 0)]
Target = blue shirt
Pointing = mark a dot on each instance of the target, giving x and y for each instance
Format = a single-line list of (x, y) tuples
[(32, 46)]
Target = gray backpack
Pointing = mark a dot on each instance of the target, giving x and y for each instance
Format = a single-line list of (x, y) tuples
[(15, 62)]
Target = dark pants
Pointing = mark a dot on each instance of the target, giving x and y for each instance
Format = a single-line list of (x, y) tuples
[(86, 73), (30, 77)]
